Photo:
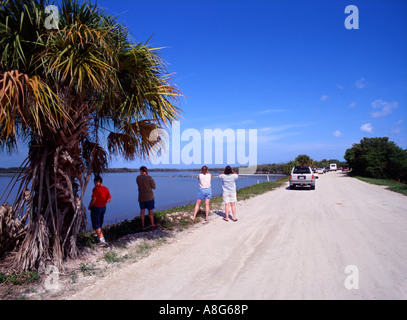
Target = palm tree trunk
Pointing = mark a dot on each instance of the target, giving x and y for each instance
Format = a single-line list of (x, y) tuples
[(55, 208)]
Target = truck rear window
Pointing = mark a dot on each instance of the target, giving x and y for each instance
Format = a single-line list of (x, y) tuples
[(302, 170)]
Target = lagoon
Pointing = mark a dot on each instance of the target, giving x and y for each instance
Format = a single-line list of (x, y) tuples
[(174, 188)]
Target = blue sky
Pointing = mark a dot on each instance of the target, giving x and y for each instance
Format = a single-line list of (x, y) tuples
[(289, 69)]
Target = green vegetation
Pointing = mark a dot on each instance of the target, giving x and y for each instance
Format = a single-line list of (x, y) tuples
[(75, 93), (324, 163), (248, 192), (272, 168), (87, 269), (20, 278), (305, 160), (9, 170), (391, 184), (112, 257), (177, 218), (377, 158), (379, 161)]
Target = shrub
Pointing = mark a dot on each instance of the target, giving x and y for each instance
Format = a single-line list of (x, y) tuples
[(377, 158)]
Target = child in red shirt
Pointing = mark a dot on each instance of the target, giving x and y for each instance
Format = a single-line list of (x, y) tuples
[(100, 197)]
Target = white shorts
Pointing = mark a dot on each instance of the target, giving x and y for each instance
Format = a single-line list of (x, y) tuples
[(229, 197)]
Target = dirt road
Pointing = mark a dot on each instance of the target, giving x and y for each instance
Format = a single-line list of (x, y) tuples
[(345, 240)]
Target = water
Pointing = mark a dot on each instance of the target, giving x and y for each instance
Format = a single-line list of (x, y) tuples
[(174, 188)]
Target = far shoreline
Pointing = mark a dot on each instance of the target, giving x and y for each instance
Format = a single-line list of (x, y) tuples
[(15, 170)]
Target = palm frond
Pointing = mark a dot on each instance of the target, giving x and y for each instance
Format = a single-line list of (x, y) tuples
[(27, 104), (134, 140), (149, 93), (80, 57), (95, 157), (21, 23), (57, 87)]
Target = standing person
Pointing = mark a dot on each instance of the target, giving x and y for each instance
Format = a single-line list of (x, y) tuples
[(228, 178), (100, 197), (146, 185), (205, 191)]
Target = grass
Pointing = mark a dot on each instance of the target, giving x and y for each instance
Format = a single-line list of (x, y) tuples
[(391, 184), (177, 218), (87, 269), (112, 257), (257, 189), (22, 278), (181, 216), (15, 286)]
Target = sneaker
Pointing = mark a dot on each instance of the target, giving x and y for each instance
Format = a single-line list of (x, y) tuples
[(102, 242)]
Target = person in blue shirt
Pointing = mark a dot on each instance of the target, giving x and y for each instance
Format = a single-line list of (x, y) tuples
[(228, 178)]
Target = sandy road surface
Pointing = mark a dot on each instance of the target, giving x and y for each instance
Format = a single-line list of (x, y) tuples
[(287, 244)]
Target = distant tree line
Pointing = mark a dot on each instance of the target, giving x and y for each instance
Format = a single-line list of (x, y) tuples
[(10, 170), (305, 160), (272, 168), (302, 159), (372, 157), (378, 158)]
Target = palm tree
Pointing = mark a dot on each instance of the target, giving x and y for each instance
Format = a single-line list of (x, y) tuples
[(65, 91), (304, 160)]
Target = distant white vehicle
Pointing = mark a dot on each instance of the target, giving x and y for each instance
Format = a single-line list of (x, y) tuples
[(333, 167)]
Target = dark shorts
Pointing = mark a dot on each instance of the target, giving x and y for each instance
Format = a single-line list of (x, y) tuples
[(147, 205), (96, 215)]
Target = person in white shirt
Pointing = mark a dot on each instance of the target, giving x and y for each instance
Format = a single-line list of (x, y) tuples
[(205, 191), (228, 178)]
